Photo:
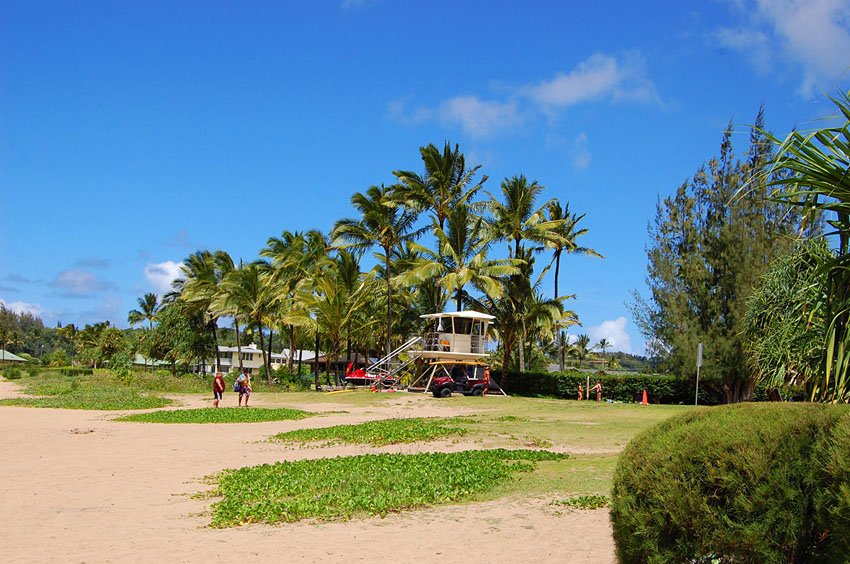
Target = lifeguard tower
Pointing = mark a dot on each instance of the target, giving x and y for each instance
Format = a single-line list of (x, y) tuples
[(452, 342)]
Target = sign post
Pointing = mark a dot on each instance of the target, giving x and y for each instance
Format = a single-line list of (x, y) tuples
[(699, 364)]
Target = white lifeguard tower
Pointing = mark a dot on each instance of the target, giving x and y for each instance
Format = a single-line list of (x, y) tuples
[(451, 340)]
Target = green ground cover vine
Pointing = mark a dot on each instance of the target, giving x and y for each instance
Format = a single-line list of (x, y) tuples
[(377, 433), (217, 415), (373, 484)]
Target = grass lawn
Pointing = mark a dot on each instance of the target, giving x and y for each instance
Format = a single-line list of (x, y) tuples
[(99, 391)]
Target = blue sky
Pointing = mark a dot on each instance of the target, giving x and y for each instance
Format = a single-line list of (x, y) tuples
[(134, 133)]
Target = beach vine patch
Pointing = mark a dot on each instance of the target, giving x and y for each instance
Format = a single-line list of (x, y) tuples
[(377, 433), (217, 415), (372, 484)]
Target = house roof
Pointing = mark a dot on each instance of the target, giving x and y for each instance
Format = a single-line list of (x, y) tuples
[(469, 314), (139, 359), (9, 357)]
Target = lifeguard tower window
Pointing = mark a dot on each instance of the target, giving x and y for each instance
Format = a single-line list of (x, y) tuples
[(462, 326)]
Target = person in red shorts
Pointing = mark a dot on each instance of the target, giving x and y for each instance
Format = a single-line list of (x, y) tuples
[(218, 388)]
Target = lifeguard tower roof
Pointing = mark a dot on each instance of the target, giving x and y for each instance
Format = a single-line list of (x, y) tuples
[(469, 314)]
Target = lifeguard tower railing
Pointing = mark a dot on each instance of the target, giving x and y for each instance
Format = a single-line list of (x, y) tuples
[(445, 342), (390, 365)]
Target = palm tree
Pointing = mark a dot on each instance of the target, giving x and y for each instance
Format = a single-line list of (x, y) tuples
[(603, 345), (462, 259), (567, 232), (581, 348), (197, 287), (516, 219), (331, 303), (148, 306), (382, 223), (446, 183), (244, 294)]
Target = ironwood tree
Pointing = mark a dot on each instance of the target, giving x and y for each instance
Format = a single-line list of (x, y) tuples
[(710, 243)]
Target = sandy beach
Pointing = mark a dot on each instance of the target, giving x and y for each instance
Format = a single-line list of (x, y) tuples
[(80, 487)]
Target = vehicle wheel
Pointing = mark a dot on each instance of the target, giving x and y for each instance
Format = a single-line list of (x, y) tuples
[(445, 392), (436, 394), (477, 392)]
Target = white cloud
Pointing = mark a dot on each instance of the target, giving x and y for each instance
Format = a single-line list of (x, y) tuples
[(812, 34), (24, 307), (479, 118), (600, 77), (615, 332), (581, 156), (78, 282), (161, 275)]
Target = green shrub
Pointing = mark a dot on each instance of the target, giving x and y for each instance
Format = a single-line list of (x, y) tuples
[(76, 371), (743, 483), (12, 373), (33, 370), (617, 387)]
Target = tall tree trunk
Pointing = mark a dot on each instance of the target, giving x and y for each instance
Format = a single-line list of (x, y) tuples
[(522, 347), (389, 302), (263, 354), (316, 362), (459, 299), (557, 270), (292, 350), (215, 344), (269, 356), (238, 343)]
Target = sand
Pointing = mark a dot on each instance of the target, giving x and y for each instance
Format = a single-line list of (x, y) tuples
[(79, 487)]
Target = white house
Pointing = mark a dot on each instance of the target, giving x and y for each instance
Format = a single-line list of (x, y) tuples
[(252, 358)]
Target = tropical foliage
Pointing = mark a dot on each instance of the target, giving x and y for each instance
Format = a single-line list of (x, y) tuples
[(434, 240), (710, 243), (815, 180)]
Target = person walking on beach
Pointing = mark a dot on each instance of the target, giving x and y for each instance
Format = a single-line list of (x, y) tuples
[(598, 389), (244, 388), (580, 393), (486, 377), (218, 388)]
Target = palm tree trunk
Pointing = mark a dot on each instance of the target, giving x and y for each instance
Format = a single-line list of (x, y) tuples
[(389, 301), (316, 362), (263, 353), (459, 299), (292, 350), (269, 357), (522, 347), (557, 270), (215, 344), (238, 343)]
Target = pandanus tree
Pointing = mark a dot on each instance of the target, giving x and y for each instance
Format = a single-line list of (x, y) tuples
[(383, 223), (814, 175)]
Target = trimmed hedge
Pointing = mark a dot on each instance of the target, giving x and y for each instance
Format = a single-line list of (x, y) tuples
[(742, 483), (618, 387)]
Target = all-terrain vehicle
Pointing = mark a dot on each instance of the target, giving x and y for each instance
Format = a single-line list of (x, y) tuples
[(459, 382)]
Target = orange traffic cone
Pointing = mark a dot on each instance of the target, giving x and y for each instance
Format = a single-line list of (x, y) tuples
[(644, 400)]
